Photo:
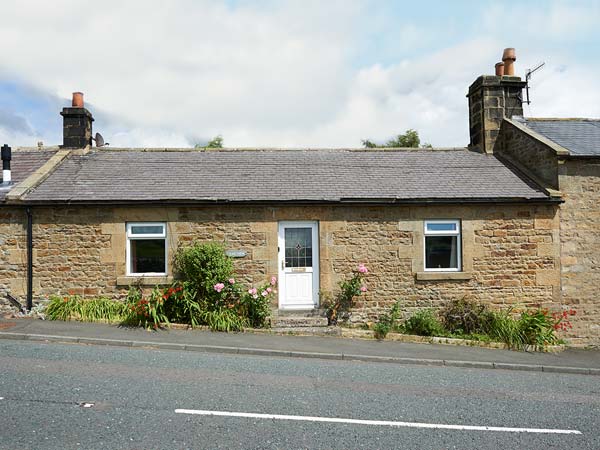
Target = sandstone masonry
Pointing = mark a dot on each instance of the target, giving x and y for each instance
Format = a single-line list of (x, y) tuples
[(510, 252)]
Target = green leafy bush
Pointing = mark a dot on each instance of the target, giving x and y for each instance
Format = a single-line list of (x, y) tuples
[(180, 305), (203, 265), (537, 328), (424, 323), (256, 306), (253, 305), (349, 290), (464, 316), (148, 312), (224, 320), (387, 322), (502, 327), (85, 310)]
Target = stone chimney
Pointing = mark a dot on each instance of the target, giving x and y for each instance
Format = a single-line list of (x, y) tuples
[(77, 124), (491, 99)]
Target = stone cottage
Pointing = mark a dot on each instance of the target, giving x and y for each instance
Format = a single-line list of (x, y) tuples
[(510, 220)]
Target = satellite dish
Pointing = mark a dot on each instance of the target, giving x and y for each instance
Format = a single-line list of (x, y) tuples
[(99, 140)]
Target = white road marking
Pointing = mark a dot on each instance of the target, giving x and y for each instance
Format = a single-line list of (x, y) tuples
[(386, 423)]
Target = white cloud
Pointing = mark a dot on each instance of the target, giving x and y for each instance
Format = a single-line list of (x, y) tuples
[(272, 73)]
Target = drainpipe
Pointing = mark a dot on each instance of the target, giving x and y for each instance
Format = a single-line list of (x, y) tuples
[(29, 259)]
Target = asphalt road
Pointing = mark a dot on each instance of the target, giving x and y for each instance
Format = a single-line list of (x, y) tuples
[(133, 396)]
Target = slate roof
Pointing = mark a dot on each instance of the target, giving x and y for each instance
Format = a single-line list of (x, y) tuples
[(23, 164), (282, 176), (581, 137)]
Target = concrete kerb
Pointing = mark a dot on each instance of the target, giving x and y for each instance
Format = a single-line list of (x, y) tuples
[(298, 354)]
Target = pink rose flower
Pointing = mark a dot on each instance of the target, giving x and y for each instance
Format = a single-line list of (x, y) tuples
[(362, 268), (269, 290), (264, 293), (219, 287), (363, 289), (252, 291), (273, 281), (231, 281)]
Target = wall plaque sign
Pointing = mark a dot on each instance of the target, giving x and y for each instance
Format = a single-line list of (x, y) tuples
[(235, 253)]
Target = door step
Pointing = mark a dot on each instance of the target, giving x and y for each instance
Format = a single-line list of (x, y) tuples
[(310, 318), (295, 321)]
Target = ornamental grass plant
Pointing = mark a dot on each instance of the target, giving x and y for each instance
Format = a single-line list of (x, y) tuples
[(85, 310)]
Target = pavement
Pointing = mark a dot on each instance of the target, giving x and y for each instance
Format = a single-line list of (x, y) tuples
[(576, 361)]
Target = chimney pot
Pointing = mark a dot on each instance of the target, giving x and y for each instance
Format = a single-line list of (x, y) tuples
[(509, 53), (77, 100), (509, 57), (499, 69)]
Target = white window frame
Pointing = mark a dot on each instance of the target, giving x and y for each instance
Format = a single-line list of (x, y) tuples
[(456, 233), (140, 237)]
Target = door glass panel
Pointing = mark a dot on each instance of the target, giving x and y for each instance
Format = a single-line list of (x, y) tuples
[(298, 247)]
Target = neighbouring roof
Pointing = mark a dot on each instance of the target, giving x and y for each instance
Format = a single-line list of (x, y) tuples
[(23, 164), (127, 175), (581, 137)]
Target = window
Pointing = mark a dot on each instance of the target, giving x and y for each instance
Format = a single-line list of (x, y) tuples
[(146, 248), (442, 245)]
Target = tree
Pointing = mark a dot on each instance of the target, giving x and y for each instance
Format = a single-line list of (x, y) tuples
[(216, 142), (409, 139)]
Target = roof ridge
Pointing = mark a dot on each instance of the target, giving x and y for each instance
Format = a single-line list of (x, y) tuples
[(561, 119), (279, 150)]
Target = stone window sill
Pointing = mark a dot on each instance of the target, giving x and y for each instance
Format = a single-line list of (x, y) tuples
[(444, 276), (144, 281)]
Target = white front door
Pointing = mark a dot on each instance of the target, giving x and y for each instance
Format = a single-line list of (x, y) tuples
[(298, 265)]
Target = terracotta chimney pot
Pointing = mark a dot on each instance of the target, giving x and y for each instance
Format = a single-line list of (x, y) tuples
[(77, 100), (499, 69), (509, 57)]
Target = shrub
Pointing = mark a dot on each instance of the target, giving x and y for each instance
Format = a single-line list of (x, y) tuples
[(464, 316), (90, 310), (501, 326), (180, 305), (535, 327), (256, 308), (424, 323), (387, 322), (253, 305), (224, 320), (203, 265), (349, 289), (538, 327), (147, 312)]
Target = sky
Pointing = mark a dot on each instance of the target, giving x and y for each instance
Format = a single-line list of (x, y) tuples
[(284, 73)]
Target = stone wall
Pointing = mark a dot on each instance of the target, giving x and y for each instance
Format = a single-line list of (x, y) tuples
[(510, 253), (528, 153), (510, 256), (580, 246), (13, 253)]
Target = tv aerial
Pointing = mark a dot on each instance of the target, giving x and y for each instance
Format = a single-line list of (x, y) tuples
[(99, 140), (528, 77)]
